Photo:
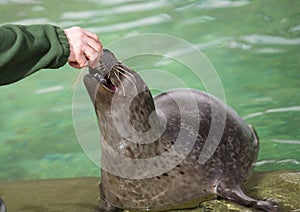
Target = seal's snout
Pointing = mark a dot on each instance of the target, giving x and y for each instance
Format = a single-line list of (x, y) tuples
[(104, 73), (91, 85), (105, 65)]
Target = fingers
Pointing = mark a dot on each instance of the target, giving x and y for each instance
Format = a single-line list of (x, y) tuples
[(77, 59), (92, 56), (93, 51), (85, 47), (92, 35)]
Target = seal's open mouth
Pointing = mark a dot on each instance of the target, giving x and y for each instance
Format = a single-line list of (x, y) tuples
[(108, 83)]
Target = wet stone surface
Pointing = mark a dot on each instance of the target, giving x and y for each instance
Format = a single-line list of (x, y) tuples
[(81, 194)]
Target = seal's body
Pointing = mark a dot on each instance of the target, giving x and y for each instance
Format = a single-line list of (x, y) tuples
[(158, 153), (2, 206)]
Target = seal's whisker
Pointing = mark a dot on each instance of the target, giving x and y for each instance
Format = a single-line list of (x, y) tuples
[(127, 77), (122, 68), (108, 74), (76, 80), (130, 75), (115, 71)]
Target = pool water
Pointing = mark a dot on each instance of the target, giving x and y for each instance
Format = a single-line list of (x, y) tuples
[(253, 45)]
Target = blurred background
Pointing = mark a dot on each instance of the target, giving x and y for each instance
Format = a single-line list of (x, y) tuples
[(253, 45)]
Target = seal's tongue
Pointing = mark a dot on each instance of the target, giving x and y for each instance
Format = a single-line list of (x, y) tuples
[(105, 65)]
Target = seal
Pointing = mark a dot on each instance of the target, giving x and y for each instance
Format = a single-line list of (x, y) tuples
[(2, 206), (127, 112)]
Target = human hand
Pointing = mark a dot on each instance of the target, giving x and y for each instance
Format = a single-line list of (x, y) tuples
[(85, 47)]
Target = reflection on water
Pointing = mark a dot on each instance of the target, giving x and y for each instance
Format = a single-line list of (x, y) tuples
[(267, 40), (118, 10), (286, 141), (50, 89), (275, 110), (253, 45), (156, 19)]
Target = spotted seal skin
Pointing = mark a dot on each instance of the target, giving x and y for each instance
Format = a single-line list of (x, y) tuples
[(189, 181), (2, 206)]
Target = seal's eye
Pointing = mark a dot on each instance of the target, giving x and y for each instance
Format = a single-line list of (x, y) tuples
[(108, 84)]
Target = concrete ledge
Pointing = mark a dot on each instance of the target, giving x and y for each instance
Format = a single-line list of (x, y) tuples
[(81, 194)]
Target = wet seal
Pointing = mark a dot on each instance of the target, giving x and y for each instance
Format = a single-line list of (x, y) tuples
[(127, 112), (2, 206)]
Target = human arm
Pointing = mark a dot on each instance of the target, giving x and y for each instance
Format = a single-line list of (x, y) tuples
[(27, 49)]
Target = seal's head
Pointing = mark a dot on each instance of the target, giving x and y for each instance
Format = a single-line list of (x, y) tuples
[(111, 77), (118, 91), (104, 74)]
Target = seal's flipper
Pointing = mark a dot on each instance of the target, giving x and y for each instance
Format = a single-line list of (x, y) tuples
[(2, 206), (104, 205), (235, 194)]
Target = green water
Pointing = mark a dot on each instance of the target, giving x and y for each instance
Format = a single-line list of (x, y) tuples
[(253, 45)]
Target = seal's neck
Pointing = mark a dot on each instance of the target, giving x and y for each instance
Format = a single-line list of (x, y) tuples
[(128, 115)]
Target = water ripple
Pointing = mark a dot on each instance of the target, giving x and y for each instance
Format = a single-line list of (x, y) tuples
[(238, 45), (200, 19), (270, 51), (264, 162), (216, 4), (275, 110), (231, 43), (251, 115), (80, 15), (38, 9), (49, 89), (269, 40), (113, 2), (19, 1), (186, 7), (32, 21), (283, 109), (295, 28), (201, 46), (141, 7), (151, 20), (146, 6), (286, 141)]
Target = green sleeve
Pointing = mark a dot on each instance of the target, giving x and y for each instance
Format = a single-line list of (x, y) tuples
[(27, 49)]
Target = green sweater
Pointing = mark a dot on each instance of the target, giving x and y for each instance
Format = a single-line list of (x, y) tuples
[(27, 49)]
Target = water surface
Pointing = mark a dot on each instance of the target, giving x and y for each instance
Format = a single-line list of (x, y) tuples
[(253, 45)]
